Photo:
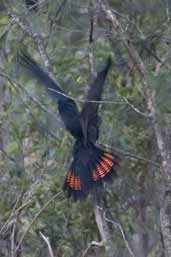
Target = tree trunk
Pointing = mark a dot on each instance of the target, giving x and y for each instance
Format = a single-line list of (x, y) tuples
[(150, 97), (103, 228)]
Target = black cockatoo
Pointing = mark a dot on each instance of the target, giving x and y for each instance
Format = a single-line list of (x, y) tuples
[(91, 165)]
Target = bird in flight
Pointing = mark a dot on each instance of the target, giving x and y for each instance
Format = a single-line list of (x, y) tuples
[(91, 165)]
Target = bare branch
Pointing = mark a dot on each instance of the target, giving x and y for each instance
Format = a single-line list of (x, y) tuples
[(118, 225), (167, 13), (93, 243), (84, 100), (136, 109), (46, 239), (133, 156), (12, 212), (13, 239)]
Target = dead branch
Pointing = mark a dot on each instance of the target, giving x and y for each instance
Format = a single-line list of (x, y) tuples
[(46, 239)]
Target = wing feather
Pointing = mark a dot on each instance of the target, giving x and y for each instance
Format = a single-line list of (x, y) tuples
[(89, 114), (67, 107)]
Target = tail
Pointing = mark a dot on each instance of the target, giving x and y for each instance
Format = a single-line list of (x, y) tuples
[(90, 168)]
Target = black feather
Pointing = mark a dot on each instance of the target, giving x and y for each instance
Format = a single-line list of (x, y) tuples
[(67, 107), (91, 165), (89, 114)]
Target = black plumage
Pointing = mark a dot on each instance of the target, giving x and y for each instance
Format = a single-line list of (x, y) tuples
[(91, 165)]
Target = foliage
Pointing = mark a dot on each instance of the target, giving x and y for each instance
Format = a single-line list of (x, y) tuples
[(35, 149)]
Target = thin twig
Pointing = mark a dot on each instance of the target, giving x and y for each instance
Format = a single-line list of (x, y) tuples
[(8, 156), (84, 100), (13, 239), (35, 219), (38, 4), (146, 115), (167, 13), (12, 82), (33, 99), (12, 217), (46, 239), (117, 224), (12, 212), (132, 156)]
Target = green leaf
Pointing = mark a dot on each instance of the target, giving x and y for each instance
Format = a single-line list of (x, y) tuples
[(12, 147)]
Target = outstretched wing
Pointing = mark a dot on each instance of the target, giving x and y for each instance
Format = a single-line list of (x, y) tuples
[(67, 107), (89, 114)]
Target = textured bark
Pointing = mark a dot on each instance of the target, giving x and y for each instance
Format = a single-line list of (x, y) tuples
[(4, 140), (165, 220), (103, 228), (141, 238)]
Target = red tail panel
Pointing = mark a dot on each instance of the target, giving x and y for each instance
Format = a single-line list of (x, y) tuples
[(90, 168), (103, 167), (73, 181)]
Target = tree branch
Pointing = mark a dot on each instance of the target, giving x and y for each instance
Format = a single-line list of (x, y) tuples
[(127, 244), (48, 244)]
